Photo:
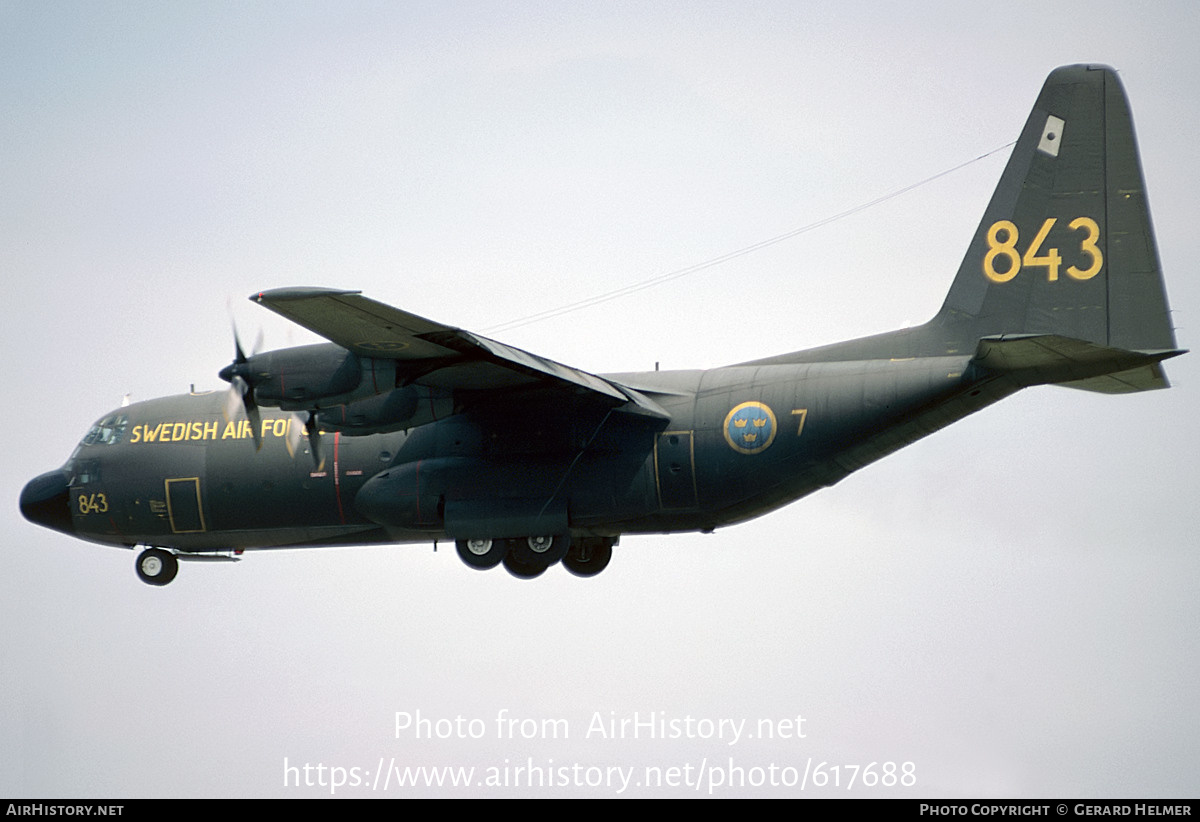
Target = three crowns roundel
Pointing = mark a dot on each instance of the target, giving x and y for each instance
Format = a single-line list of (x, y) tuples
[(750, 427)]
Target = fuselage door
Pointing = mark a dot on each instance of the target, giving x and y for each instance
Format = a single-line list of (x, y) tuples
[(184, 509), (675, 470)]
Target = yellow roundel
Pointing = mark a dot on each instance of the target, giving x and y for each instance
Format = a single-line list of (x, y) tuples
[(750, 427)]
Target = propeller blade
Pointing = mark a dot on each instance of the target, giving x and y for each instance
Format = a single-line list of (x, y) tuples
[(241, 391), (294, 429), (314, 438), (254, 415), (233, 400), (239, 353)]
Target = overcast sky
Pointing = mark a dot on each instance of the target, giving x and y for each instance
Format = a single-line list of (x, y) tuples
[(1010, 605)]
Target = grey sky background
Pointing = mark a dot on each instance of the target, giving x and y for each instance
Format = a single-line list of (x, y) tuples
[(1010, 605)]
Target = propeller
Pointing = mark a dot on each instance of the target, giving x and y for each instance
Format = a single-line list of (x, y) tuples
[(240, 377), (241, 389)]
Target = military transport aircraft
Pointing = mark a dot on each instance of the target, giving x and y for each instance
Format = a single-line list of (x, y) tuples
[(401, 429)]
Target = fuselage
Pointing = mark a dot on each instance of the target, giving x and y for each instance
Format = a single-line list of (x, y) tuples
[(741, 441)]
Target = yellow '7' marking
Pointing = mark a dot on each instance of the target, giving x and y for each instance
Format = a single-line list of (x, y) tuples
[(802, 413), (1002, 237)]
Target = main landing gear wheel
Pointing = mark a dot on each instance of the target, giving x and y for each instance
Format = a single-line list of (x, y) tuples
[(156, 567), (481, 553), (522, 567), (588, 556), (544, 550)]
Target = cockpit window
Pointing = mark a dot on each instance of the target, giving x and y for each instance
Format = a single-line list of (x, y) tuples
[(109, 431)]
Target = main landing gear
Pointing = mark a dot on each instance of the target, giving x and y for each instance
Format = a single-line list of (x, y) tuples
[(156, 567), (529, 557), (589, 556)]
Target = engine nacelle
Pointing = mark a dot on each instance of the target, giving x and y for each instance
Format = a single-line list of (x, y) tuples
[(405, 407), (312, 377)]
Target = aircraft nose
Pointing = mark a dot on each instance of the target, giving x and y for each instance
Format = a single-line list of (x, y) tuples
[(44, 502)]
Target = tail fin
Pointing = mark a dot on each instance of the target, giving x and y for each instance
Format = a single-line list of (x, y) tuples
[(1066, 248), (1061, 282)]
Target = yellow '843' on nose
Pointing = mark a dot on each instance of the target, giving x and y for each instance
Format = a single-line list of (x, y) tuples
[(1002, 240)]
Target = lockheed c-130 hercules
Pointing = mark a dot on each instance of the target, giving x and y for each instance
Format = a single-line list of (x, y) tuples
[(401, 429)]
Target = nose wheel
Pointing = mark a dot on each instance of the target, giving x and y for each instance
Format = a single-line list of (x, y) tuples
[(156, 567)]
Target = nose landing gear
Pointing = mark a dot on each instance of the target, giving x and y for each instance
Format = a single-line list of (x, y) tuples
[(156, 567)]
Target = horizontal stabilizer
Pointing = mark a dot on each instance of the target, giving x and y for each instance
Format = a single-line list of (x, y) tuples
[(1041, 359), (1145, 378)]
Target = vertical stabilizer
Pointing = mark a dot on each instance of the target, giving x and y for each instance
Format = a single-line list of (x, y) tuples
[(1061, 282), (1066, 246)]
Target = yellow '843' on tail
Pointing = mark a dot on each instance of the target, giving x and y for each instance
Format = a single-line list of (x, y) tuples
[(1006, 249)]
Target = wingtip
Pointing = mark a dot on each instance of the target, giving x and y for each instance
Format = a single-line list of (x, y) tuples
[(298, 293)]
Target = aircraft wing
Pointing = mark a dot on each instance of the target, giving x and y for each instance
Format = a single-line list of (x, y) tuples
[(433, 354)]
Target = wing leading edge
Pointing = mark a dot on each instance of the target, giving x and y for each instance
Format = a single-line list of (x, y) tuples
[(437, 355)]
